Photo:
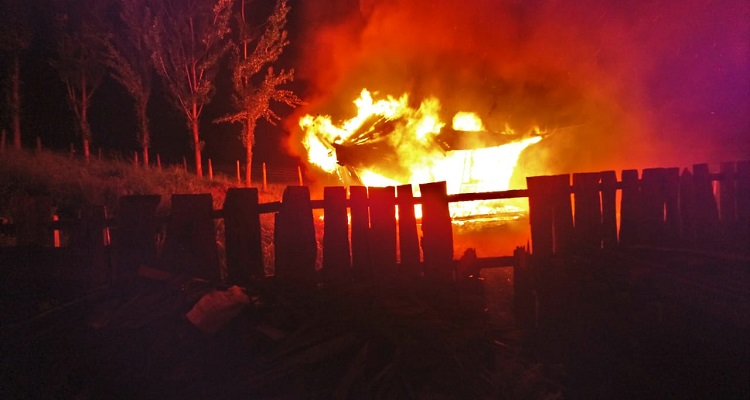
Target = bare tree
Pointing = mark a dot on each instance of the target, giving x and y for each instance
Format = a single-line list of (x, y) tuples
[(253, 96), (79, 60), (129, 62), (15, 38), (187, 40)]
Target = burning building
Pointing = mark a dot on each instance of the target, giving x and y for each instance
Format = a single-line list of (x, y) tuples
[(562, 86)]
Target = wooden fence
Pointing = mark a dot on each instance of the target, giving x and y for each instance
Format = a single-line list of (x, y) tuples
[(364, 240)]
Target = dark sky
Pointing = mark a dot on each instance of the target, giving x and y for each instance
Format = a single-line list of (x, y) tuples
[(623, 84)]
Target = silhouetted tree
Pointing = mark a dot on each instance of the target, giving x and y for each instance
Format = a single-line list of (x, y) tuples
[(79, 60), (187, 40), (15, 38), (252, 94), (129, 62)]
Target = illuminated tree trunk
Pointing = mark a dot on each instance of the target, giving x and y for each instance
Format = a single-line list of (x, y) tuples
[(145, 133), (249, 142), (84, 119), (196, 140), (16, 102)]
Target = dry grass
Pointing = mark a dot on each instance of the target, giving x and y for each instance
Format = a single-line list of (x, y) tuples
[(72, 184)]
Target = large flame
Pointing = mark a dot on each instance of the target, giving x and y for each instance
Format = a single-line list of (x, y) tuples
[(419, 156)]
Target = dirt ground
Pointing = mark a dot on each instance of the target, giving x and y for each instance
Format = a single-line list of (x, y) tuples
[(645, 325)]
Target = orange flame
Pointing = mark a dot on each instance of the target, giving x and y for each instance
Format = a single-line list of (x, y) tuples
[(413, 137)]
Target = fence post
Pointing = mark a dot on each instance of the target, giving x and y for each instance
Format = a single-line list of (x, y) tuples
[(361, 267), (190, 244), (295, 246), (336, 258), (242, 236), (407, 233), (550, 214), (383, 233)]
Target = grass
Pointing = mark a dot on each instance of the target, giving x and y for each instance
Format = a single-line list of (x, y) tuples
[(71, 185)]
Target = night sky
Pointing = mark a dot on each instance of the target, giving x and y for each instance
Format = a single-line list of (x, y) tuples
[(621, 84)]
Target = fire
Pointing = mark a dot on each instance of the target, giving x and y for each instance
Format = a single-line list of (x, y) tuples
[(390, 143)]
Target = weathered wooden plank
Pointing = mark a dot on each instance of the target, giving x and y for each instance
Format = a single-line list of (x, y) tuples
[(651, 230), (672, 218), (295, 248), (743, 204), (728, 194), (630, 209), (588, 216), (563, 221), (190, 243), (360, 216), (31, 218), (244, 250), (407, 233), (541, 216), (437, 232), (133, 239), (609, 209), (383, 233), (706, 207), (336, 257), (687, 208)]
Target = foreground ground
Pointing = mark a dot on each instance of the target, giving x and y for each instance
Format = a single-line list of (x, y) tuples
[(638, 325)]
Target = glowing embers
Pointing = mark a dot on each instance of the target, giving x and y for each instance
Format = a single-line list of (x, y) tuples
[(389, 143)]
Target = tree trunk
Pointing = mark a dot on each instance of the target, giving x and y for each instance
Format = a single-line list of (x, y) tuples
[(249, 142), (196, 141), (16, 102), (85, 127), (145, 133)]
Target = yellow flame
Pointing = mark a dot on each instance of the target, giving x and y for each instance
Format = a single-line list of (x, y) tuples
[(421, 158)]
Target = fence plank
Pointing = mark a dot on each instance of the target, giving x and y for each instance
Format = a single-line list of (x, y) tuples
[(358, 203), (336, 258), (563, 213), (190, 243), (541, 216), (727, 195), (706, 208), (588, 216), (31, 217), (383, 233), (672, 220), (437, 232), (295, 247), (687, 208), (743, 204), (651, 230), (134, 237), (630, 208), (242, 234), (407, 233), (609, 209)]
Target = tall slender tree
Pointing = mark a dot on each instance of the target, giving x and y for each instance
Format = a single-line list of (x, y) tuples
[(254, 93), (129, 62), (187, 40), (15, 38), (79, 59)]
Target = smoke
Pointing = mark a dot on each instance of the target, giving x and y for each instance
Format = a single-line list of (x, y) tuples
[(615, 84)]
